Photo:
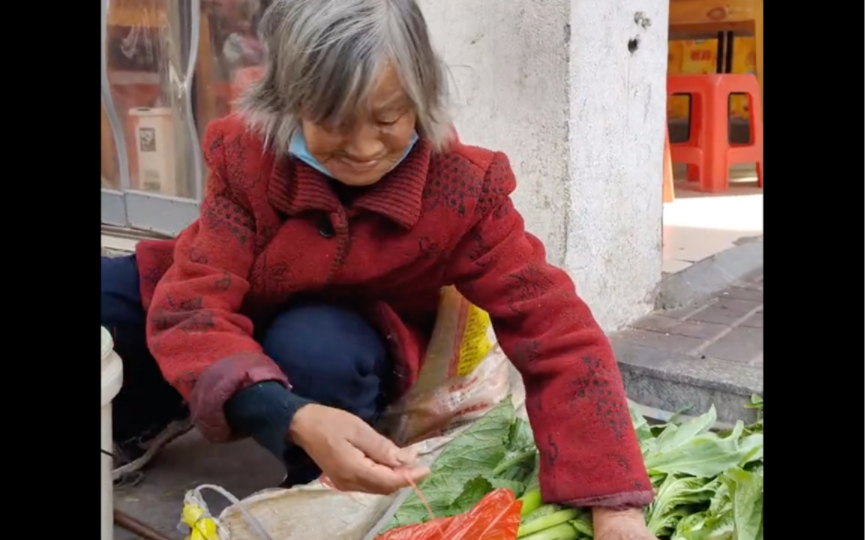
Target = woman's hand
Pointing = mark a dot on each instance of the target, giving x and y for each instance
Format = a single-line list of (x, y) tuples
[(352, 454), (627, 524)]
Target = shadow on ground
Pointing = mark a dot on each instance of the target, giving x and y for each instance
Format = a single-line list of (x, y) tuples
[(242, 468)]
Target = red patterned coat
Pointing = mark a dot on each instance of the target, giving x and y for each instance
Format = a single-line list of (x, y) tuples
[(271, 227)]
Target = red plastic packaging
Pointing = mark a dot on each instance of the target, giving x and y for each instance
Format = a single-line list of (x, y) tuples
[(495, 517)]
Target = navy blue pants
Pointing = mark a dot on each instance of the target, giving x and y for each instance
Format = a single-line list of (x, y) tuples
[(331, 355)]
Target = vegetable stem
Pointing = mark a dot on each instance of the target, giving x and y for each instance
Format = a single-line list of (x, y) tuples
[(565, 531), (532, 500), (547, 522), (516, 459)]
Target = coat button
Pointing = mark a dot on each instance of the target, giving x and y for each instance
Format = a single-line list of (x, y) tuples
[(325, 228)]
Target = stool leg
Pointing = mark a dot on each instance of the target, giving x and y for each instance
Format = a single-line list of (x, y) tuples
[(695, 126), (693, 173), (716, 137), (756, 108)]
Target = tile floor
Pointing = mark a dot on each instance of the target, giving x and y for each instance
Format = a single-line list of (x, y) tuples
[(698, 225)]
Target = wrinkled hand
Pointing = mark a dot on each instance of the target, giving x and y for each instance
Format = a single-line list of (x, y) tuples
[(620, 525), (351, 453)]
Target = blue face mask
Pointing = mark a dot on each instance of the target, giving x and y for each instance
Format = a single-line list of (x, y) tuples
[(298, 149)]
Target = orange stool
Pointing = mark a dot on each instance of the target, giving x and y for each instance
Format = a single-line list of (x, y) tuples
[(708, 151)]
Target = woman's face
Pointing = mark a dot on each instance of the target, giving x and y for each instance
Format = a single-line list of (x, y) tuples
[(360, 154)]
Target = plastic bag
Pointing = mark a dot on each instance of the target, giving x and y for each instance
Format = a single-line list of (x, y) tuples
[(464, 374), (495, 517)]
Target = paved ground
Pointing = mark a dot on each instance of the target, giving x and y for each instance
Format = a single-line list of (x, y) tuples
[(728, 326), (709, 353), (242, 468)]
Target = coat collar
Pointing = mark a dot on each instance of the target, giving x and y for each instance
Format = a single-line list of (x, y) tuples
[(296, 187)]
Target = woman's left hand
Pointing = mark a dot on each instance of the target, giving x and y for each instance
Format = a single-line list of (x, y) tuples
[(627, 524)]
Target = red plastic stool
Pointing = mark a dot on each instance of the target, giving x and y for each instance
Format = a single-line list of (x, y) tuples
[(708, 151)]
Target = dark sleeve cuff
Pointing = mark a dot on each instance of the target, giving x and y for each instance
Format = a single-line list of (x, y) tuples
[(264, 411)]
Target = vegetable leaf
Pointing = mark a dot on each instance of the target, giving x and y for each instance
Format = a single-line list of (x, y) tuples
[(709, 485), (704, 455), (675, 493), (475, 490), (675, 436), (641, 426), (746, 490), (476, 452), (521, 456)]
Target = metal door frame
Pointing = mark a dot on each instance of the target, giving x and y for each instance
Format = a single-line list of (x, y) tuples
[(142, 210)]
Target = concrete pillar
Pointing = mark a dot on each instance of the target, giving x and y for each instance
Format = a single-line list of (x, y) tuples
[(574, 92)]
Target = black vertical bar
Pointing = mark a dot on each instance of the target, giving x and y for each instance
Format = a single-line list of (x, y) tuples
[(728, 57), (720, 53)]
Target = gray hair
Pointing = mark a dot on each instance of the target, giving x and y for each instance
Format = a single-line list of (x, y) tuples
[(323, 56)]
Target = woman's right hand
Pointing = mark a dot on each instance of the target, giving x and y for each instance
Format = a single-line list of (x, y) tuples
[(351, 453)]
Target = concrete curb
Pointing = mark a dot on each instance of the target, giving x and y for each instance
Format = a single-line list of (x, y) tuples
[(711, 275), (677, 382)]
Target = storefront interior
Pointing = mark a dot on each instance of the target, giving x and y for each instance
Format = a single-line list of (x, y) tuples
[(708, 37)]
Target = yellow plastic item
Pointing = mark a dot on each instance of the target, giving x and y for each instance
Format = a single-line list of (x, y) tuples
[(201, 526)]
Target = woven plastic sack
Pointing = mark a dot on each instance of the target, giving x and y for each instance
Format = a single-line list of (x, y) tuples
[(464, 374)]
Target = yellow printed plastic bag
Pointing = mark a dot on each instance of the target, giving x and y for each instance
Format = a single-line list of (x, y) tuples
[(464, 374)]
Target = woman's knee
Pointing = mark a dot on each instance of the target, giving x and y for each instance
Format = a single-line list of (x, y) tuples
[(330, 354), (121, 296)]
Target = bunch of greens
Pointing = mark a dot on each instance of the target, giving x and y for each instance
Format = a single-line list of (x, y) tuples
[(708, 485), (497, 451)]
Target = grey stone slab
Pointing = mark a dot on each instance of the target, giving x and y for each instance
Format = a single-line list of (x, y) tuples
[(738, 305), (754, 321), (709, 373), (697, 329), (685, 311), (658, 340), (713, 274), (742, 293), (674, 326), (753, 281), (677, 383), (742, 344), (656, 323), (724, 311), (688, 399), (758, 361)]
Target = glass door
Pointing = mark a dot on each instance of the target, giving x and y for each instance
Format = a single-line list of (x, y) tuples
[(169, 67), (147, 72)]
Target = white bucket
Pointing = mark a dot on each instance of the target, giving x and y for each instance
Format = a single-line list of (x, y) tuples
[(112, 379)]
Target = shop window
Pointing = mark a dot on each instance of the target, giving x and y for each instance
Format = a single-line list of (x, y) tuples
[(161, 113)]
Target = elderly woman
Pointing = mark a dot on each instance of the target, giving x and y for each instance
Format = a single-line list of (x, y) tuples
[(339, 202)]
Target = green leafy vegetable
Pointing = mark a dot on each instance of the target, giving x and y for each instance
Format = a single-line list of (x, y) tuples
[(671, 500), (708, 484), (474, 491), (694, 450), (478, 452), (746, 490), (641, 426)]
